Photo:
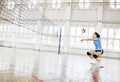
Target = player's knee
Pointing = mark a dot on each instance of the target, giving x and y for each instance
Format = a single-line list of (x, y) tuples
[(88, 53), (95, 56)]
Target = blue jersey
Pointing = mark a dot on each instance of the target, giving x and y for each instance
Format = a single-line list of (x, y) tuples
[(97, 44)]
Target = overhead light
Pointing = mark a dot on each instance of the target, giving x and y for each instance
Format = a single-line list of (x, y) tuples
[(84, 4), (114, 4), (32, 4), (56, 4), (11, 5)]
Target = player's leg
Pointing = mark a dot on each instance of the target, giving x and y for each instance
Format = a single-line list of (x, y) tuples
[(97, 55), (90, 53)]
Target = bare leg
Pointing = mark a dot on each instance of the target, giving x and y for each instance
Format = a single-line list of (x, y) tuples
[(98, 59), (96, 53), (91, 52), (91, 56)]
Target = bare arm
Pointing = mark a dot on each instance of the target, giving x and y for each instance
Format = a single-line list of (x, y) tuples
[(89, 39)]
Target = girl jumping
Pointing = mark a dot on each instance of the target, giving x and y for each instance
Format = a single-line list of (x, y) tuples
[(98, 48)]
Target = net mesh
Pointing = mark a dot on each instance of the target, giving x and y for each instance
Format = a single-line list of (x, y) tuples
[(22, 22), (23, 16)]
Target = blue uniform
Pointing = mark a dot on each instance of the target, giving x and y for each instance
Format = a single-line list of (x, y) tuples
[(97, 44)]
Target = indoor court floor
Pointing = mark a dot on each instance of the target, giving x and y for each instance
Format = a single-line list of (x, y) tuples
[(22, 65)]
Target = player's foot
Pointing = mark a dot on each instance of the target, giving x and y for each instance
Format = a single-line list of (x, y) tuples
[(92, 61), (96, 63), (101, 66)]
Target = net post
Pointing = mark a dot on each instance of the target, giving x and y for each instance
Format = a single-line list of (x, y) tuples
[(59, 42)]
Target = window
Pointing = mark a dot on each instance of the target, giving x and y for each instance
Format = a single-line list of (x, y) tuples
[(45, 31), (62, 30), (117, 33), (114, 4), (110, 38), (110, 43), (91, 31), (104, 33), (56, 4), (11, 5), (72, 34), (73, 30), (79, 33), (4, 63), (111, 33), (84, 4), (116, 45), (51, 29)]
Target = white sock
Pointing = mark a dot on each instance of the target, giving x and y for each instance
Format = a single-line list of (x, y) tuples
[(92, 61)]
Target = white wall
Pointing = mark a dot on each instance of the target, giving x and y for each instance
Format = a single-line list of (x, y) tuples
[(111, 16)]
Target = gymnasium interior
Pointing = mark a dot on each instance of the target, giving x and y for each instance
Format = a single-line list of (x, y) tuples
[(40, 40)]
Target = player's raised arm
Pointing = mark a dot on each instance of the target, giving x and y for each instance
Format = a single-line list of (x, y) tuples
[(88, 39)]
